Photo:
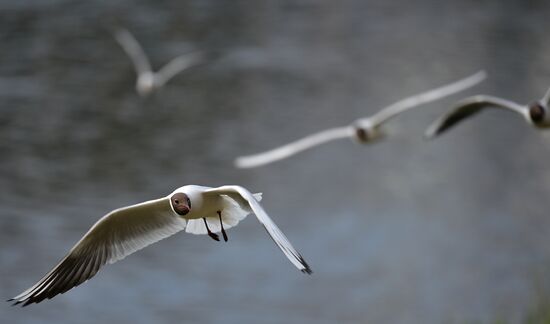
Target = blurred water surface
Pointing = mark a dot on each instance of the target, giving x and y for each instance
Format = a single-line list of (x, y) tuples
[(454, 230)]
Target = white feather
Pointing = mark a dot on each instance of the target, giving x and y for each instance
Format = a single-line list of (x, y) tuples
[(112, 238)]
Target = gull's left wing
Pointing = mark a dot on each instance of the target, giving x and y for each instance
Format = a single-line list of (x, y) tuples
[(246, 200)]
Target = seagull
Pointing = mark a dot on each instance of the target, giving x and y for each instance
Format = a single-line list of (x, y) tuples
[(535, 113), (364, 130), (147, 80), (197, 209)]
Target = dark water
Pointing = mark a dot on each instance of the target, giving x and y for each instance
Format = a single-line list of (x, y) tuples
[(455, 230)]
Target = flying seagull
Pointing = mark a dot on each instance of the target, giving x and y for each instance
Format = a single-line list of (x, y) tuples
[(197, 209), (536, 113), (364, 130), (147, 80)]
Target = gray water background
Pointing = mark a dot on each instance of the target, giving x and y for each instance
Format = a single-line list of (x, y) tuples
[(405, 231)]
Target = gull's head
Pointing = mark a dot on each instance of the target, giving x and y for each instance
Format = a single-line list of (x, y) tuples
[(180, 203), (364, 134), (145, 84), (539, 115)]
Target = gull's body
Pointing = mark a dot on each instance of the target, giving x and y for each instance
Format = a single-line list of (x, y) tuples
[(147, 80), (536, 114), (197, 209), (364, 130)]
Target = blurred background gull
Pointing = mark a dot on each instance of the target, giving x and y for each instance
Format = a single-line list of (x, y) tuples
[(455, 230)]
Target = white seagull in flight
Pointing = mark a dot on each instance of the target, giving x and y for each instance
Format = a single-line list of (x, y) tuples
[(364, 130), (147, 80), (197, 209), (536, 113)]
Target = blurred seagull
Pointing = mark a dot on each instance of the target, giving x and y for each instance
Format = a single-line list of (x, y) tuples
[(147, 80), (364, 130), (197, 209), (536, 113)]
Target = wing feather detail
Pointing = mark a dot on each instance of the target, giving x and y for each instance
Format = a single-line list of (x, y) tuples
[(115, 236)]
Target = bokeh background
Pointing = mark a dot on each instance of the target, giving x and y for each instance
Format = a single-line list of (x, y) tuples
[(455, 230)]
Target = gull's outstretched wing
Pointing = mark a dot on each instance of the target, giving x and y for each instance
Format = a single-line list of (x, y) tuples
[(246, 200), (177, 65), (469, 107), (134, 51), (116, 235), (423, 98), (546, 98), (290, 149)]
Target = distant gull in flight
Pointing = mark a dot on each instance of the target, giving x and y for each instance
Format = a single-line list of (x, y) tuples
[(364, 130), (197, 209), (147, 80), (536, 113)]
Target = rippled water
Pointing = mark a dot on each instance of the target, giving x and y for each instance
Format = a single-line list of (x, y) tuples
[(454, 230)]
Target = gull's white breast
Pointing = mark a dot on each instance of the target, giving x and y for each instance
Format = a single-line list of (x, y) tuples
[(202, 205)]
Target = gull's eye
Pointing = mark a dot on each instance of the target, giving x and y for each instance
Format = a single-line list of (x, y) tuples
[(536, 112)]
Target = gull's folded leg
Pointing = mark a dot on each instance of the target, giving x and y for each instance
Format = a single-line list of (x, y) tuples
[(221, 224), (214, 236)]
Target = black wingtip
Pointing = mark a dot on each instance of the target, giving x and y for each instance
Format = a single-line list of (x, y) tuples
[(24, 302), (433, 131), (16, 303), (306, 268)]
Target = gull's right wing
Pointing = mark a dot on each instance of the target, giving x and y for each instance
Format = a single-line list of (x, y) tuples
[(292, 148), (115, 236), (425, 97), (546, 98), (177, 65)]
